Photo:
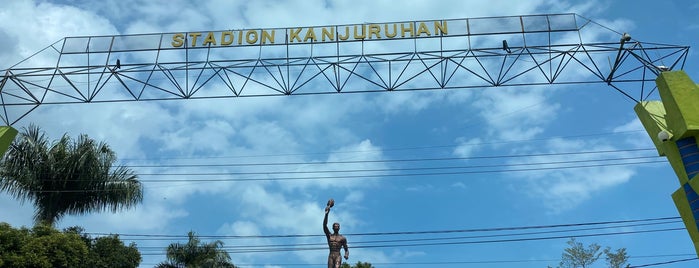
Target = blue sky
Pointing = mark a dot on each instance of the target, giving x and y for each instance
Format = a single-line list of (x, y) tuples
[(369, 129)]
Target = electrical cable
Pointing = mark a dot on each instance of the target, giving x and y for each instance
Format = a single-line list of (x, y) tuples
[(403, 169), (494, 229), (374, 176), (361, 244), (393, 160), (455, 262), (387, 149), (377, 176), (293, 249), (355, 244), (269, 173), (663, 263)]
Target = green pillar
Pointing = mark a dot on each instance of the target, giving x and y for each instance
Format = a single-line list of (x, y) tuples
[(7, 135), (673, 125)]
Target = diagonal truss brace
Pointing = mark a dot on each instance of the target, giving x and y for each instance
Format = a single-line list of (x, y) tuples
[(455, 61)]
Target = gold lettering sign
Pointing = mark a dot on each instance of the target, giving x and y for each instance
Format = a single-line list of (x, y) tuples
[(358, 32)]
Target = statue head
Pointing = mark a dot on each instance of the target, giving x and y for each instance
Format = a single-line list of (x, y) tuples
[(336, 227)]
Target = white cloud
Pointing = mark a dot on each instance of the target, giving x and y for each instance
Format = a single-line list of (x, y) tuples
[(420, 188), (32, 26), (361, 156), (513, 114), (459, 185), (635, 134), (244, 228), (151, 216), (278, 214), (467, 148), (563, 189), (294, 129), (355, 197)]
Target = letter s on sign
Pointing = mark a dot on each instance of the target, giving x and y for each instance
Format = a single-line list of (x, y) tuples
[(177, 40)]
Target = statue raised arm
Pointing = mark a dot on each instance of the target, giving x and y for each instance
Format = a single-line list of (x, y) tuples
[(335, 240)]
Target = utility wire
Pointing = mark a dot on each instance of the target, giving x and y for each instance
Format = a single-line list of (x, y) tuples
[(494, 229), (290, 249), (663, 263), (328, 177), (403, 169), (388, 149), (269, 173), (444, 262), (391, 160), (380, 175), (355, 244), (458, 242), (393, 169)]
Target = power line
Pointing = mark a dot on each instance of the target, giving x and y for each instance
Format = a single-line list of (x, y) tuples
[(383, 175), (328, 177), (493, 229), (311, 248), (458, 262), (269, 173), (409, 263), (398, 169), (149, 251), (451, 262), (663, 263), (391, 160), (355, 244), (464, 242), (390, 149)]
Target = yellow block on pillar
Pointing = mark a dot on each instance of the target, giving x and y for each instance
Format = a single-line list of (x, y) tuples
[(680, 97), (689, 215), (676, 117), (7, 135)]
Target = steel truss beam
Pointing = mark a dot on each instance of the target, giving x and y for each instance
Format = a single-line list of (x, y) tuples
[(531, 54)]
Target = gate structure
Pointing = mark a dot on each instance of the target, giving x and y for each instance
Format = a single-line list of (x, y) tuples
[(398, 56), (454, 54)]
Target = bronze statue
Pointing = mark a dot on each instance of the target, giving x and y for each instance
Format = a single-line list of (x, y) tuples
[(335, 240)]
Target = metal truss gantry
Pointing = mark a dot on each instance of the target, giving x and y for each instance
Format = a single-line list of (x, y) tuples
[(474, 53)]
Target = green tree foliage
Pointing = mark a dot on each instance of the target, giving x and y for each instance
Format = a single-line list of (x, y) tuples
[(579, 256), (108, 251), (616, 259), (45, 247), (11, 242), (41, 247), (196, 253), (357, 265), (67, 176)]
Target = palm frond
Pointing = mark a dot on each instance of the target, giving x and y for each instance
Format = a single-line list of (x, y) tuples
[(67, 176), (196, 253)]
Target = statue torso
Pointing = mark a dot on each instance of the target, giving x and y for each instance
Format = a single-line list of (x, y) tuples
[(336, 242)]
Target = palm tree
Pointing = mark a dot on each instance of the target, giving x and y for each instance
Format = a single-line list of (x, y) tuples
[(196, 254), (66, 176), (358, 265)]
